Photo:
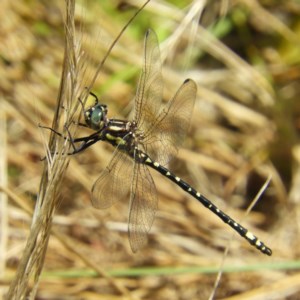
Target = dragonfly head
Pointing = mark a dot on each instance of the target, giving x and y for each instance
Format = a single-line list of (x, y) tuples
[(95, 116)]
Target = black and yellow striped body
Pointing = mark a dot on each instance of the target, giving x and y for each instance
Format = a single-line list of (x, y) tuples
[(122, 135), (155, 133), (249, 236)]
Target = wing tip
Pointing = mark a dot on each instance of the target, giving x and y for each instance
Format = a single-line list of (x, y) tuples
[(191, 82), (148, 32)]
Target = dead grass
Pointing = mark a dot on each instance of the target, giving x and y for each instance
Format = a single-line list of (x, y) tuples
[(244, 129)]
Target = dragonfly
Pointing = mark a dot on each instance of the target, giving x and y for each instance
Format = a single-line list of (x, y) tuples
[(150, 139)]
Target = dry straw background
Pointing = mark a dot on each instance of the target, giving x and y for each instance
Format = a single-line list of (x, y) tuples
[(244, 56)]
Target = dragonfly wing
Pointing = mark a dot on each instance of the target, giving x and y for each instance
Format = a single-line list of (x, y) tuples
[(169, 130), (114, 182), (150, 87), (143, 205)]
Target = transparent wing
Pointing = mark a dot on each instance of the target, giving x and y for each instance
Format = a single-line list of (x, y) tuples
[(169, 129), (143, 205), (114, 181), (150, 87)]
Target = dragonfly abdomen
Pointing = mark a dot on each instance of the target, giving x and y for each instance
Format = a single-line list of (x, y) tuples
[(242, 231)]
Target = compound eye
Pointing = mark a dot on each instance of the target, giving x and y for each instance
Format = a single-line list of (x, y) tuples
[(95, 117)]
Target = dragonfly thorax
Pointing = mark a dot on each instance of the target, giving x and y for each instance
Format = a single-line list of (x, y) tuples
[(95, 116)]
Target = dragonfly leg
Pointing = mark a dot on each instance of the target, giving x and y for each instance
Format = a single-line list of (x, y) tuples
[(96, 98), (85, 141), (51, 129)]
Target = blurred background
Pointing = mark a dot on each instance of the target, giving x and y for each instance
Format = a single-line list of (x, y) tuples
[(244, 57)]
